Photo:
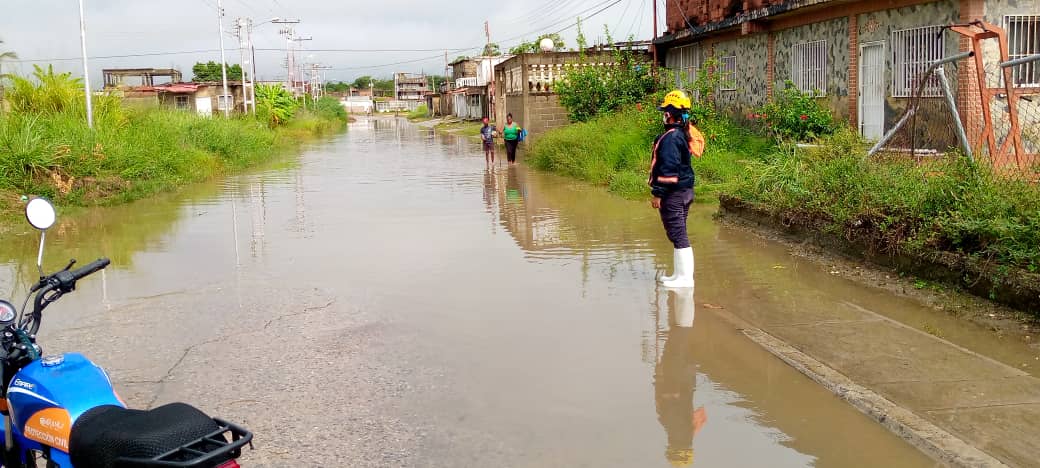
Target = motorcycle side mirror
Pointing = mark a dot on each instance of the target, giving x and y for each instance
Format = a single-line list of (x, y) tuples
[(40, 214)]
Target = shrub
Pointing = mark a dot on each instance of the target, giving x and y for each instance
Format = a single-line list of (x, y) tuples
[(420, 112), (794, 115), (589, 90), (275, 105)]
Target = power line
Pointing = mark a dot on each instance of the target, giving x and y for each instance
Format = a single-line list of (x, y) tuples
[(621, 20), (101, 57)]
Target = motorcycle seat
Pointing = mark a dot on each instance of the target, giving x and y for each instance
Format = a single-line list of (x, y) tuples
[(104, 435)]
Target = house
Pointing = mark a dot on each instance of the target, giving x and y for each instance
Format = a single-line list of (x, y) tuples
[(205, 98), (410, 87), (864, 58), (524, 85), (472, 86)]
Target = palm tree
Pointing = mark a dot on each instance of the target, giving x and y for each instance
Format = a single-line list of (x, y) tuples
[(4, 56)]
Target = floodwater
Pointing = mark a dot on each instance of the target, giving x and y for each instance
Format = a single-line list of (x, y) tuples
[(384, 300)]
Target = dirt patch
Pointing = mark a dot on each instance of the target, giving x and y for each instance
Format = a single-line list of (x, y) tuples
[(947, 282)]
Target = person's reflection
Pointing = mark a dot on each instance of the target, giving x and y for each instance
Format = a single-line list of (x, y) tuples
[(490, 189), (675, 378), (514, 186)]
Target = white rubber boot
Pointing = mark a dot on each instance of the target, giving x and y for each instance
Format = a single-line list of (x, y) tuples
[(685, 309), (675, 263), (683, 270)]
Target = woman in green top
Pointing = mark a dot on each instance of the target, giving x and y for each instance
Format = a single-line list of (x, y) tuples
[(511, 134)]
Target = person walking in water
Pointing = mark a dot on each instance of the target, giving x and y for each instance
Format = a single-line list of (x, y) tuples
[(487, 135), (511, 134), (672, 181)]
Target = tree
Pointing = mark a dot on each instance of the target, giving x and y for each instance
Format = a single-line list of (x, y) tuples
[(210, 71), (363, 82), (384, 84), (6, 56), (337, 87), (534, 47), (492, 50)]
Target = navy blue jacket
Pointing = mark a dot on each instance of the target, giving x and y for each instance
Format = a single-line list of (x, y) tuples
[(670, 168)]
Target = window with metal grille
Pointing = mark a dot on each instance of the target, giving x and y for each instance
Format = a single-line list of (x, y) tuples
[(686, 61), (915, 50), (182, 102), (809, 67), (728, 70), (1024, 40)]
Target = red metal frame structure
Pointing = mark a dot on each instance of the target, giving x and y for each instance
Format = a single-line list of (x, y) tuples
[(977, 32)]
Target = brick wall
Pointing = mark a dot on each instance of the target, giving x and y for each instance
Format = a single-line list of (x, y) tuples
[(968, 95), (854, 71), (544, 113)]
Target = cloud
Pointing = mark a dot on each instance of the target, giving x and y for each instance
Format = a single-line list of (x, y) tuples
[(46, 29)]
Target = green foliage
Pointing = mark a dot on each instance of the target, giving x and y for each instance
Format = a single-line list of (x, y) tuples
[(363, 82), (534, 47), (420, 112), (948, 205), (329, 108), (613, 149), (587, 91), (794, 115), (492, 50), (211, 71), (56, 93), (275, 105), (338, 87)]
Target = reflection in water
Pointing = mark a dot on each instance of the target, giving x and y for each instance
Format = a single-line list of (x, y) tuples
[(675, 378)]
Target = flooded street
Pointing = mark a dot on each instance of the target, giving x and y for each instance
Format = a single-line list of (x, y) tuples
[(383, 300)]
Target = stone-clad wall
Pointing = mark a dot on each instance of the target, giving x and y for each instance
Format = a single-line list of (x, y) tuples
[(752, 57), (836, 33)]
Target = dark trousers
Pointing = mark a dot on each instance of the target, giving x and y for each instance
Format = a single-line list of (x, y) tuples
[(511, 149), (675, 208)]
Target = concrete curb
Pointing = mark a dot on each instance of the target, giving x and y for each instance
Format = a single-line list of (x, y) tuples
[(927, 437)]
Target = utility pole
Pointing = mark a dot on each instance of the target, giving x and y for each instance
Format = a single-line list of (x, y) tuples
[(244, 31), (86, 69), (223, 60), (653, 45)]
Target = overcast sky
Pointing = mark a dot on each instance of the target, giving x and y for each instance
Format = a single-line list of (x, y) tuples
[(49, 29)]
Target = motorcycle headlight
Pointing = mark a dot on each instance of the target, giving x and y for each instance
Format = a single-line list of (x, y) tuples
[(7, 313)]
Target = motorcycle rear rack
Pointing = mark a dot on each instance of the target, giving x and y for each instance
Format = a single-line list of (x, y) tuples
[(200, 453)]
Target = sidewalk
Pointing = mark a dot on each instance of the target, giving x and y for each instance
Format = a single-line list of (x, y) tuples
[(882, 366)]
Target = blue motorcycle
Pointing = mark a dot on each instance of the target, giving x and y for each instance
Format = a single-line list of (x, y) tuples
[(61, 410)]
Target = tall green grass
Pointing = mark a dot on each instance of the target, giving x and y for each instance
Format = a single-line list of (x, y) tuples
[(948, 204), (614, 150), (46, 148)]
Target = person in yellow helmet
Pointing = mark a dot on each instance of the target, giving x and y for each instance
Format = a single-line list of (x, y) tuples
[(672, 181)]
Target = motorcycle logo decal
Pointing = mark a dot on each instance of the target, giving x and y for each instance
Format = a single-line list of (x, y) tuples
[(23, 384), (50, 426)]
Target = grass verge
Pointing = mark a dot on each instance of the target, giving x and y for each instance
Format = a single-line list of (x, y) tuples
[(147, 151)]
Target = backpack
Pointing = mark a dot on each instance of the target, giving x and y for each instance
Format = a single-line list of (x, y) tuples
[(696, 141)]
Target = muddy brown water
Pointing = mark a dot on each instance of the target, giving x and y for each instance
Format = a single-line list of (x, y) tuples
[(384, 300)]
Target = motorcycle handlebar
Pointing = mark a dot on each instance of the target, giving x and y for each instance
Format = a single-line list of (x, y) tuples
[(91, 268)]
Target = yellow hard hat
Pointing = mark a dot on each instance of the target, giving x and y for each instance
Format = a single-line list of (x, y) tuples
[(677, 100), (679, 457)]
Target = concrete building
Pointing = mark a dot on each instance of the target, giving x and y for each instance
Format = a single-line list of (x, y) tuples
[(202, 98), (524, 84), (122, 78), (863, 57), (411, 87), (471, 87)]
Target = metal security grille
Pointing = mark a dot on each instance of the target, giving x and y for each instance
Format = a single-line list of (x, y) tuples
[(809, 67), (728, 70), (915, 49), (1024, 40), (686, 61)]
